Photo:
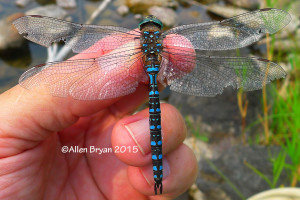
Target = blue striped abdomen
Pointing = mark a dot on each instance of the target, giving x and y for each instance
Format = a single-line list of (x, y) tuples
[(155, 131), (151, 43)]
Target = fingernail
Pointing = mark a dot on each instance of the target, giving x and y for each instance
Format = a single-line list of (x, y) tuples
[(139, 130), (148, 171)]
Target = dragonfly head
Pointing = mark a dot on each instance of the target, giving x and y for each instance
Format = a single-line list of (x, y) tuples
[(150, 19)]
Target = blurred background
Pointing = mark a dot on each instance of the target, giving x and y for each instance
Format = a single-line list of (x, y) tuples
[(245, 143)]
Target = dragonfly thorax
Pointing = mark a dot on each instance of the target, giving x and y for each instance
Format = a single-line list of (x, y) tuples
[(151, 42), (151, 45)]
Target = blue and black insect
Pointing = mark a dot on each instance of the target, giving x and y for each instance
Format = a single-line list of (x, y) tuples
[(151, 45), (150, 55)]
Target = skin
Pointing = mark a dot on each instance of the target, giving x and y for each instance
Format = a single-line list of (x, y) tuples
[(34, 127)]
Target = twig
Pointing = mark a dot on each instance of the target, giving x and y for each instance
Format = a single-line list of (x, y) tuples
[(100, 8), (264, 92), (52, 51), (243, 112)]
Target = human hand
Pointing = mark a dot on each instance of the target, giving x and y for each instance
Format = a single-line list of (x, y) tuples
[(35, 127)]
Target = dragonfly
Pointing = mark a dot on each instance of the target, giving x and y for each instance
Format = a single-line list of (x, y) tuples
[(149, 55)]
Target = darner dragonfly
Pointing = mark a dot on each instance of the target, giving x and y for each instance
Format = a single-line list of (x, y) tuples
[(149, 55)]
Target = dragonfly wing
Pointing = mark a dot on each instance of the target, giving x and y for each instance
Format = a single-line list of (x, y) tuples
[(232, 33), (79, 37), (209, 75), (109, 76)]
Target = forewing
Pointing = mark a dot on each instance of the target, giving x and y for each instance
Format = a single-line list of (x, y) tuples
[(79, 37), (110, 76), (209, 75), (232, 33)]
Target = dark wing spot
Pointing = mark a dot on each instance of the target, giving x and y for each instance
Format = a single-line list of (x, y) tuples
[(38, 16), (265, 9), (40, 65), (264, 60), (24, 34)]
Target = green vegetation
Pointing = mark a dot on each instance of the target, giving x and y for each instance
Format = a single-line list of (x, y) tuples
[(282, 122), (195, 130), (281, 115), (278, 163), (287, 124)]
